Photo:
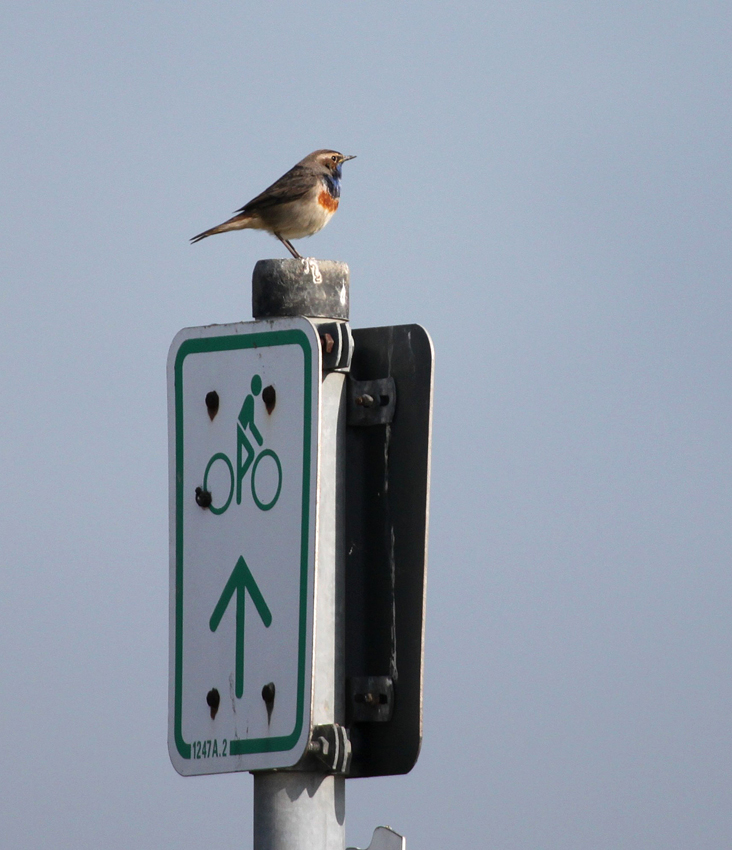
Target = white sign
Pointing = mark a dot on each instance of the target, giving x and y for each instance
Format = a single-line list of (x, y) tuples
[(243, 410)]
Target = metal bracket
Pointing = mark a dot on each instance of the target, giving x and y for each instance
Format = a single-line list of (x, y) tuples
[(336, 343), (371, 402), (387, 508), (371, 698), (385, 838), (331, 746)]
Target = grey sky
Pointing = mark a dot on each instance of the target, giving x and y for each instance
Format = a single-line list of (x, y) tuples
[(546, 188)]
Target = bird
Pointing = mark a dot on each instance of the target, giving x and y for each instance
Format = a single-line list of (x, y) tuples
[(299, 204)]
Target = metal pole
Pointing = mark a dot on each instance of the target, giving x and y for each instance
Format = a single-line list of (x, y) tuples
[(305, 810)]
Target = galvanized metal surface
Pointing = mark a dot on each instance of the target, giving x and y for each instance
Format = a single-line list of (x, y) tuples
[(385, 838), (328, 642), (305, 809), (299, 811)]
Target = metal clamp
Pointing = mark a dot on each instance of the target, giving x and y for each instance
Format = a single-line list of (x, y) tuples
[(330, 745), (336, 343)]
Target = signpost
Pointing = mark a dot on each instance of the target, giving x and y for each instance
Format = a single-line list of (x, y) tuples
[(299, 505), (244, 405)]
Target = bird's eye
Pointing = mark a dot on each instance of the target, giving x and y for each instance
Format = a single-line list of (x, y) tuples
[(334, 158)]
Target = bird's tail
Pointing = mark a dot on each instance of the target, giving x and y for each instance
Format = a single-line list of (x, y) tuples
[(205, 234), (238, 222)]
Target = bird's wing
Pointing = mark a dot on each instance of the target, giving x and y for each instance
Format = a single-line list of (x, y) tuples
[(290, 187)]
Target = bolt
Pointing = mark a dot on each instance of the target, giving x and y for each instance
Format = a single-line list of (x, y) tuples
[(203, 497), (328, 343), (372, 698), (269, 397), (319, 746), (365, 400), (212, 403)]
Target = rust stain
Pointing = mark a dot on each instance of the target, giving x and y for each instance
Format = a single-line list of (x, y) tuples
[(327, 202)]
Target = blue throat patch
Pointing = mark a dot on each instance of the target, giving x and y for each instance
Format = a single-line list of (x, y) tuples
[(333, 183)]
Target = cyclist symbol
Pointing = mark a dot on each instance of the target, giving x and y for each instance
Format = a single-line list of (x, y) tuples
[(246, 420), (246, 456)]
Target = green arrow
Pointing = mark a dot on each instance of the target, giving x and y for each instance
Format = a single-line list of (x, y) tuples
[(240, 580)]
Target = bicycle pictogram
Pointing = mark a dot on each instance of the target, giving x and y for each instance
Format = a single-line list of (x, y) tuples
[(248, 459)]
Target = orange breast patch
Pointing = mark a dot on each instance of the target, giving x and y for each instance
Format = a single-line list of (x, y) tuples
[(328, 203)]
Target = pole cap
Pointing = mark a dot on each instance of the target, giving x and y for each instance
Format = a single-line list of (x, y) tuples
[(307, 287)]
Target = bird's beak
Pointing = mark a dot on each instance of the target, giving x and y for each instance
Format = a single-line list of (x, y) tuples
[(346, 158)]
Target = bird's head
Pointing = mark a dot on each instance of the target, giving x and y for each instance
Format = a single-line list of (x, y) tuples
[(331, 161)]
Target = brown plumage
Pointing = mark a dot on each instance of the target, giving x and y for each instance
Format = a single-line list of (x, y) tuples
[(299, 204)]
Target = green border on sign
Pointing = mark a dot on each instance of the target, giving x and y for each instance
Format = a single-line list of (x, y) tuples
[(269, 339)]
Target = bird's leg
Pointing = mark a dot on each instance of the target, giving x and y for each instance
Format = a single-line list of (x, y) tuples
[(289, 247)]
